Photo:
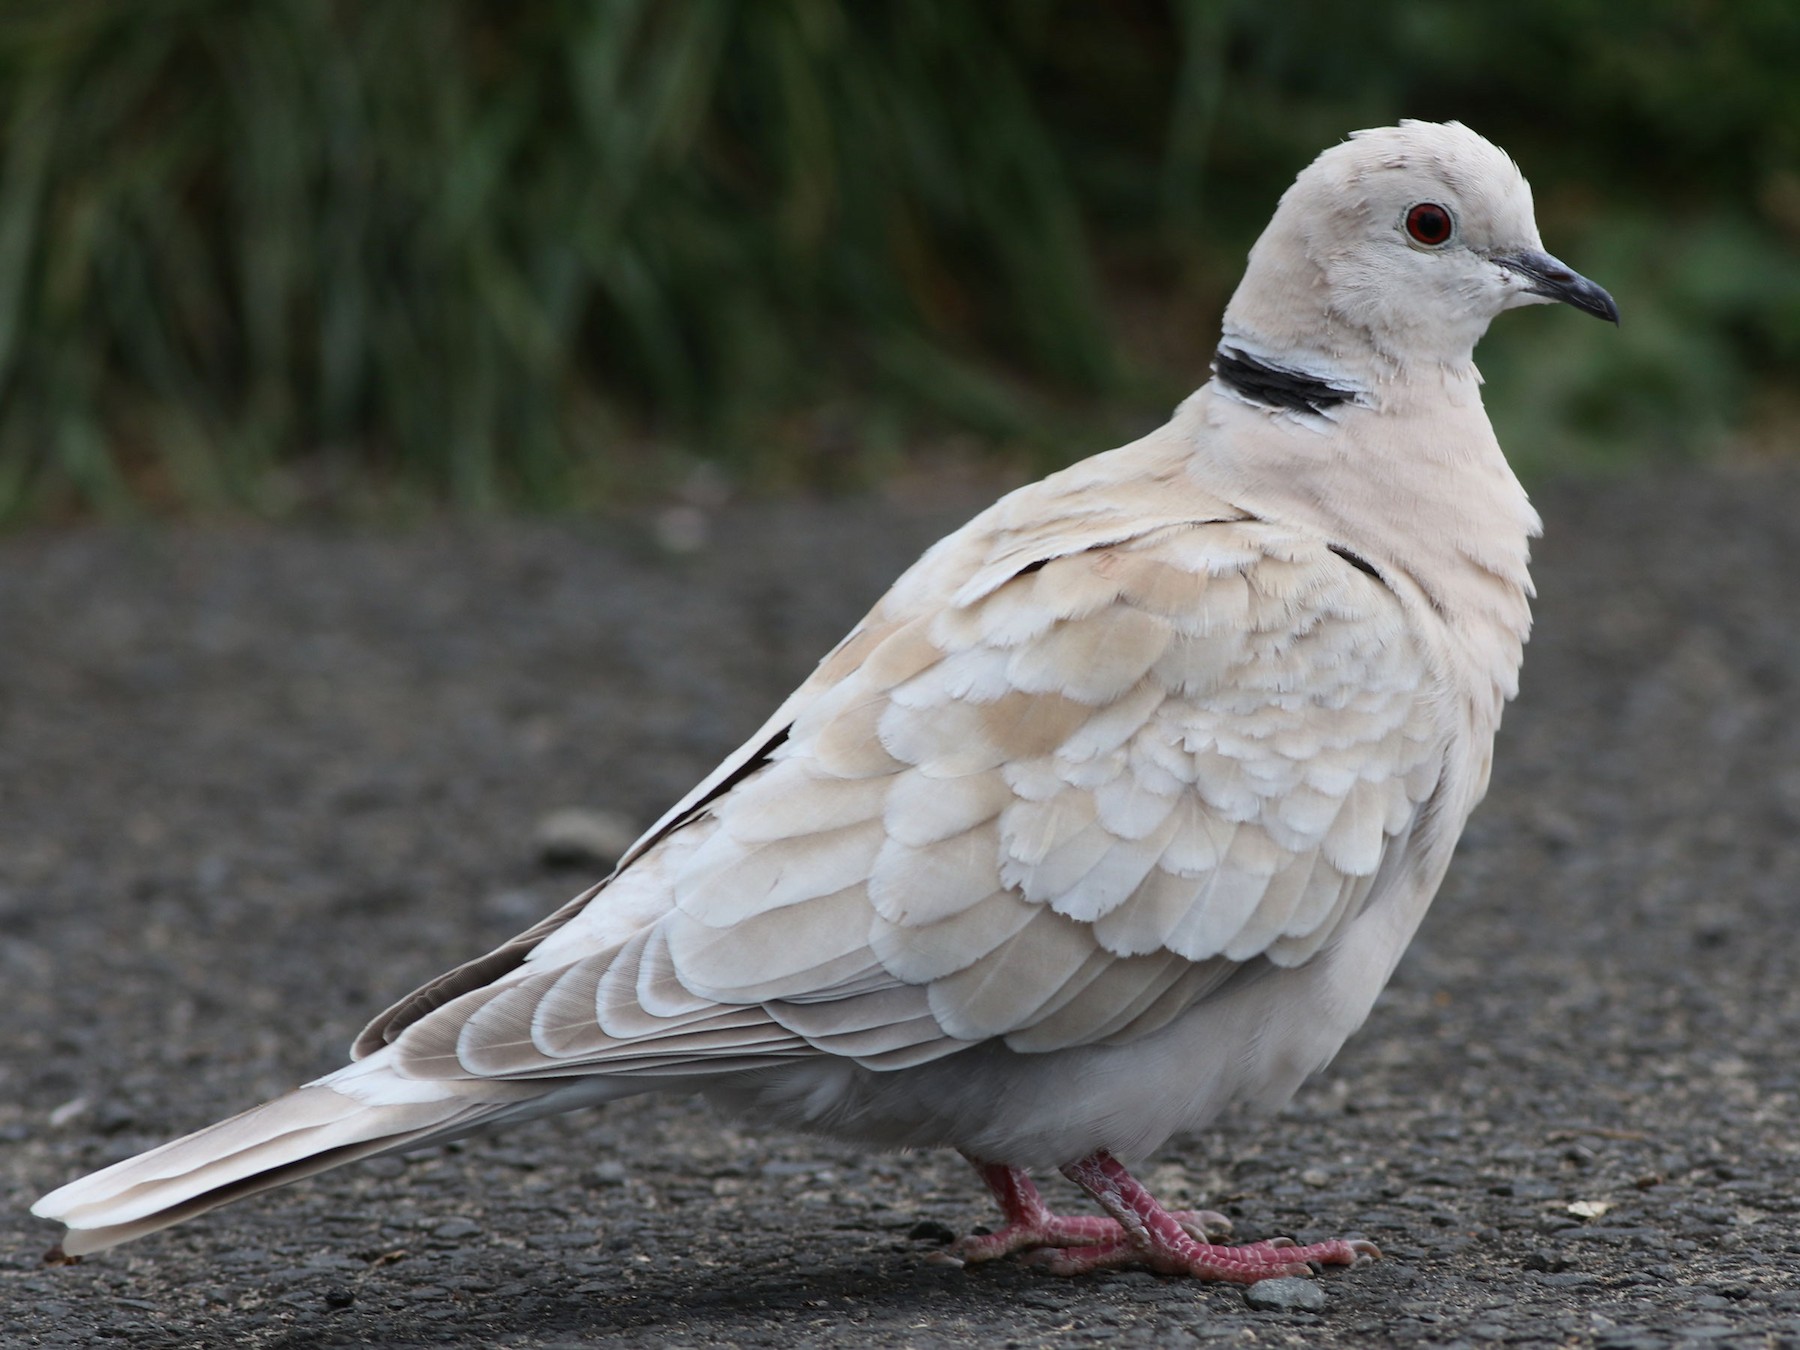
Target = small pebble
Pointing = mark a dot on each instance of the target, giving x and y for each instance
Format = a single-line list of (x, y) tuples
[(930, 1230), (580, 837), (68, 1111), (1573, 1279), (1290, 1293)]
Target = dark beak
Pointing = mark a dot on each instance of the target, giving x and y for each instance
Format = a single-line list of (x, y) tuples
[(1550, 278)]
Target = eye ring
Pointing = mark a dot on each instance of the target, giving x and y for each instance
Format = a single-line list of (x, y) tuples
[(1430, 224)]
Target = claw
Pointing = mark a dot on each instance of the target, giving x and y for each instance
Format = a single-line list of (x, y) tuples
[(1202, 1225)]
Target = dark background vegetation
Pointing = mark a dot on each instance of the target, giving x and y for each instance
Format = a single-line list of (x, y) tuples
[(288, 254)]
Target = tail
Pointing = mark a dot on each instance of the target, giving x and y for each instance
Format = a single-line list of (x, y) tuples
[(309, 1130)]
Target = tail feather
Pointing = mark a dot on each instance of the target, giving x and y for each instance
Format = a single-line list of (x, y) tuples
[(305, 1132)]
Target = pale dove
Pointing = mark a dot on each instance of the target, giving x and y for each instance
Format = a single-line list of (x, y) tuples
[(1116, 811)]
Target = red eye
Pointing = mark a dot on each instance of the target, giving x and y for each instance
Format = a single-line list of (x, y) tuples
[(1429, 223)]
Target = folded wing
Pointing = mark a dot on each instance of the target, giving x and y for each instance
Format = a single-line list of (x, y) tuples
[(1057, 807)]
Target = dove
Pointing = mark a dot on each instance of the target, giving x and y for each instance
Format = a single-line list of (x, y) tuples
[(1116, 812)]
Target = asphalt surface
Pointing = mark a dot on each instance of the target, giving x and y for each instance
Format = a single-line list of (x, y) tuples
[(256, 782)]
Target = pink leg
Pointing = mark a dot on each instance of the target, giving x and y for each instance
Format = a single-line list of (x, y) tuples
[(1031, 1224), (1155, 1239), (1139, 1232)]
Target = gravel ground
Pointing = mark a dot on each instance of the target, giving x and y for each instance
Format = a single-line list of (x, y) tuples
[(256, 782)]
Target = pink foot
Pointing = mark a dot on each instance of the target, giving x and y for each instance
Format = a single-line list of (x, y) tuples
[(1030, 1224), (1139, 1232)]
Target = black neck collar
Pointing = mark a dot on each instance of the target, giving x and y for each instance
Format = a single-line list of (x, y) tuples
[(1270, 386)]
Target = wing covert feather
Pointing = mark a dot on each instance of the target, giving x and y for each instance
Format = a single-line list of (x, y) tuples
[(1056, 806)]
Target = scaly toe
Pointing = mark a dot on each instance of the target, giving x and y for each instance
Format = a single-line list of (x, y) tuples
[(1068, 1261)]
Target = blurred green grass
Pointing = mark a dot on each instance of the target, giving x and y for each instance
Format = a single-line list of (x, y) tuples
[(281, 254)]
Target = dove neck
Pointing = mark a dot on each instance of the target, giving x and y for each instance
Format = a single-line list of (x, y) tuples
[(1269, 384), (1303, 307)]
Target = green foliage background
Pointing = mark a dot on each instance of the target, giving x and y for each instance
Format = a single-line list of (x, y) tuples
[(269, 253)]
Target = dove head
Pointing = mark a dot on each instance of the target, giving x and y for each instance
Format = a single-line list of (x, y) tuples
[(1390, 255)]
